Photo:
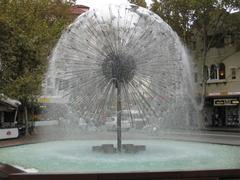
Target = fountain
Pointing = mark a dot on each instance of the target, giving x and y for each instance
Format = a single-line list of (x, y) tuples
[(117, 61), (121, 58)]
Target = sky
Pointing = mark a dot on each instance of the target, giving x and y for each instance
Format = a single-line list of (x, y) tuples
[(97, 3)]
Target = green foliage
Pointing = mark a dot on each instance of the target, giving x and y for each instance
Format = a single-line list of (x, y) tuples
[(141, 3), (28, 31), (186, 16), (177, 13), (208, 20), (39, 20), (25, 88)]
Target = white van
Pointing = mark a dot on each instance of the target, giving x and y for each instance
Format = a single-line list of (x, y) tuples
[(137, 120), (111, 124), (127, 123)]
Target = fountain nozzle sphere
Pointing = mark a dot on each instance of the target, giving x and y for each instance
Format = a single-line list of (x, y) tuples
[(119, 67)]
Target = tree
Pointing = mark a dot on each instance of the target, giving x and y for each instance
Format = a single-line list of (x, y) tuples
[(28, 31), (184, 16), (178, 14), (210, 24), (141, 3), (41, 21), (7, 46), (201, 19)]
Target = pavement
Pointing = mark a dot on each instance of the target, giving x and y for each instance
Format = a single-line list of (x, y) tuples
[(213, 135), (224, 129)]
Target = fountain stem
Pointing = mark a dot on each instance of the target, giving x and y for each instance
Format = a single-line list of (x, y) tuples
[(119, 111)]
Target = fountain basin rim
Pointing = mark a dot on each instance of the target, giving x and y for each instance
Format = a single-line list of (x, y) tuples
[(8, 171), (170, 139), (158, 138)]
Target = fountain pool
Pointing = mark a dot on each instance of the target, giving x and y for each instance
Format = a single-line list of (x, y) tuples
[(161, 155), (122, 58), (109, 61)]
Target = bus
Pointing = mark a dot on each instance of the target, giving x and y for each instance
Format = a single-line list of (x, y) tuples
[(8, 117)]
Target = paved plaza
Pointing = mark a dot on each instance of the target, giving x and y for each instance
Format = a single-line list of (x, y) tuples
[(219, 136)]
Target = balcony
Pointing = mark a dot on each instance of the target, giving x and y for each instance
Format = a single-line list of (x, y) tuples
[(216, 81)]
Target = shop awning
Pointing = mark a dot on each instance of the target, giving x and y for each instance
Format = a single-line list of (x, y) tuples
[(8, 104), (223, 94)]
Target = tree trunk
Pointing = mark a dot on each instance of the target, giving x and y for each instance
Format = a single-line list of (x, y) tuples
[(204, 58), (204, 78), (26, 121)]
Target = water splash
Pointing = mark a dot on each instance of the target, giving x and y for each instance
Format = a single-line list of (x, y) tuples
[(127, 45)]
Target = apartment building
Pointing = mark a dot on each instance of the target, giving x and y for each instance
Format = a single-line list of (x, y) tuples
[(222, 73)]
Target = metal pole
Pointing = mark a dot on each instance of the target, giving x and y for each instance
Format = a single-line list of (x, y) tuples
[(119, 111), (2, 117), (15, 116)]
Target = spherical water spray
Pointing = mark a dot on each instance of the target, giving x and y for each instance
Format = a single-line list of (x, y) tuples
[(120, 58)]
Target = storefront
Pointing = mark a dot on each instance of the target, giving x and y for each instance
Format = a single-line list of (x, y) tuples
[(223, 111)]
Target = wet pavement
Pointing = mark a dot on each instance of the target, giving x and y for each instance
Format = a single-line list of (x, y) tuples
[(218, 136)]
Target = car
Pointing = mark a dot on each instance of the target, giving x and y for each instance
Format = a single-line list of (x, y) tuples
[(111, 124), (82, 124)]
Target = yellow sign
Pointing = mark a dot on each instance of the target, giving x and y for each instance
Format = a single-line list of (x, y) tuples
[(43, 100)]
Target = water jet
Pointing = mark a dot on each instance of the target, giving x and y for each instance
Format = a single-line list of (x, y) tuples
[(122, 58)]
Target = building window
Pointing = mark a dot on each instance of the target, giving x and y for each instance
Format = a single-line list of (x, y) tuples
[(221, 71), (213, 72), (233, 73)]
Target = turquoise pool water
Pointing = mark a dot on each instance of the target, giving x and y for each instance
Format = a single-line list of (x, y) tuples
[(161, 155)]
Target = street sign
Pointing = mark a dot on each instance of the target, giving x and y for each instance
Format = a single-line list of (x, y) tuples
[(226, 102)]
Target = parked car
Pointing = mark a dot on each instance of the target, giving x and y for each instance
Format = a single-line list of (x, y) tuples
[(82, 123), (111, 124), (135, 117)]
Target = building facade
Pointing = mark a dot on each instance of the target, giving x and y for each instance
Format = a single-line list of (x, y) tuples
[(222, 80), (223, 91)]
